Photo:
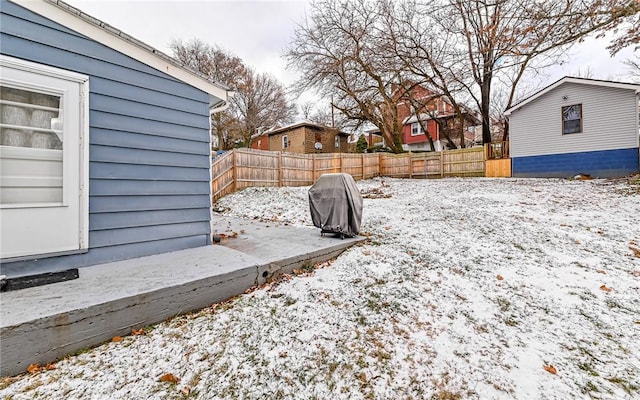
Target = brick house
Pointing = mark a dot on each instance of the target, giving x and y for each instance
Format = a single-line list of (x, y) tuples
[(304, 137), (437, 111)]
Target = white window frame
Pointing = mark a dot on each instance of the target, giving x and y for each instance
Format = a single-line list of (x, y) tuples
[(416, 129), (285, 142), (337, 141), (572, 107), (83, 113)]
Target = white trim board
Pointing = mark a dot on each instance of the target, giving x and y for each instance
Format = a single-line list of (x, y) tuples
[(580, 81), (103, 33)]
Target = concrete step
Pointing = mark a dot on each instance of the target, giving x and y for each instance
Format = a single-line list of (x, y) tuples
[(42, 324)]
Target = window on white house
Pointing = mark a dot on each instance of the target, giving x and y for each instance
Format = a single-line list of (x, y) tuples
[(416, 129), (285, 141), (337, 141), (259, 143), (572, 119)]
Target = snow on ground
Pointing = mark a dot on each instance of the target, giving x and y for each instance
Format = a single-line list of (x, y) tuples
[(466, 289)]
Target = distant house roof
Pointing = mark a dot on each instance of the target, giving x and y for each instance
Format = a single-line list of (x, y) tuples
[(570, 79), (309, 124), (73, 18)]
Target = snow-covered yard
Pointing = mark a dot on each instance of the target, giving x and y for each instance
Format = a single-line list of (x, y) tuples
[(466, 289)]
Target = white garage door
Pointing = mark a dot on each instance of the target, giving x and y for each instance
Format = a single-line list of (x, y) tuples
[(43, 165)]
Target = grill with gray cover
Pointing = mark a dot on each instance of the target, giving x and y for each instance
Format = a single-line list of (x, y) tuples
[(336, 204)]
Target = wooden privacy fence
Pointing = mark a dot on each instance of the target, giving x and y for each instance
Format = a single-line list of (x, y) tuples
[(241, 168), (498, 162)]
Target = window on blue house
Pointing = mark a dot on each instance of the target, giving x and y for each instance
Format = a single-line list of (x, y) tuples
[(572, 119)]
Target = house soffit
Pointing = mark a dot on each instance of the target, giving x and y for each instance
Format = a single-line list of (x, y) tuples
[(73, 18)]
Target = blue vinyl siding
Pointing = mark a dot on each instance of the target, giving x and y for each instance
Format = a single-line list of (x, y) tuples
[(149, 156), (603, 164)]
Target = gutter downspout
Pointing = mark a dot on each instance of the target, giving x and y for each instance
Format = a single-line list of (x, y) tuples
[(214, 109)]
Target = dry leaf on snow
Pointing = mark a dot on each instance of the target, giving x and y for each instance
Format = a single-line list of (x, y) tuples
[(550, 369), (33, 368), (636, 252), (499, 277), (605, 288), (137, 332), (117, 339), (169, 378), (601, 271)]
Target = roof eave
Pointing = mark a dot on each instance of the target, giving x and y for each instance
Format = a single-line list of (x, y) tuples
[(570, 79), (73, 18)]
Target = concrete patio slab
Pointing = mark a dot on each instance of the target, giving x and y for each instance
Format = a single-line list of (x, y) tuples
[(42, 324)]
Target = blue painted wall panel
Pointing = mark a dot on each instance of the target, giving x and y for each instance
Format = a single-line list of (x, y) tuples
[(132, 140), (140, 234), (117, 105), (149, 157), (106, 187), (99, 170), (105, 254), (146, 218), (109, 204), (603, 164), (149, 189), (116, 122), (146, 96)]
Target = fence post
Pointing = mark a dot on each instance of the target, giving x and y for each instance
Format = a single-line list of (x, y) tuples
[(313, 168), (233, 171), (410, 165), (362, 161), (380, 164), (279, 168), (341, 162), (442, 164), (485, 155)]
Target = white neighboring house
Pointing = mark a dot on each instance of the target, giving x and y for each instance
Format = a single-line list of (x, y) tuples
[(576, 126)]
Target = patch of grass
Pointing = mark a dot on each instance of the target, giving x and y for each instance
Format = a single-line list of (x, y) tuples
[(374, 305), (503, 303), (590, 387), (307, 267), (626, 386), (511, 321), (442, 392), (588, 369)]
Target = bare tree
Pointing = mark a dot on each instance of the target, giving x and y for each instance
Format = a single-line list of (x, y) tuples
[(370, 53), (260, 104), (631, 32), (259, 100), (337, 50), (503, 35), (306, 109), (634, 68)]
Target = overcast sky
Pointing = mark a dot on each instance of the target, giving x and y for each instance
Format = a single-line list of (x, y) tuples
[(259, 31)]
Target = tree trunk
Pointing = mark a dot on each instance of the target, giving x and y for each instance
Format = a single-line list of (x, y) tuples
[(486, 119), (505, 133)]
